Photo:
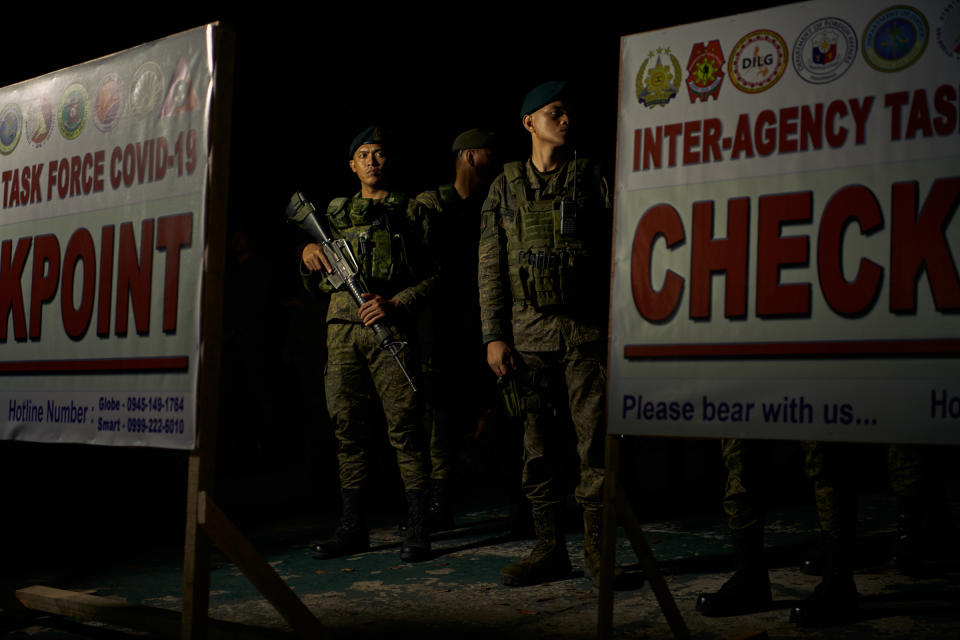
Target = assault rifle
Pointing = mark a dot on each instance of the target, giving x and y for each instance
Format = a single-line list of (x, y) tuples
[(345, 273)]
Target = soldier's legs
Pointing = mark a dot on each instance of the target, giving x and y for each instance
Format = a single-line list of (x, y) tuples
[(403, 410), (586, 391), (585, 378), (541, 442), (744, 505), (835, 598), (828, 467), (744, 499), (349, 396), (924, 525), (438, 419), (435, 421), (541, 454)]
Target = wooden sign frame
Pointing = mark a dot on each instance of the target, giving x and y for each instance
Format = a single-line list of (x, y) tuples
[(205, 522)]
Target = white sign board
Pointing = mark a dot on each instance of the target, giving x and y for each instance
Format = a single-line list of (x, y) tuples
[(786, 244), (103, 179)]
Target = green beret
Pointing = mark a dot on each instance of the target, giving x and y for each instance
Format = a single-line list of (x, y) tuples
[(542, 95), (370, 135), (475, 139)]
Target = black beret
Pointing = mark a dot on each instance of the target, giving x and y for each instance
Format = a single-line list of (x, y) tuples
[(542, 95), (475, 139), (370, 135)]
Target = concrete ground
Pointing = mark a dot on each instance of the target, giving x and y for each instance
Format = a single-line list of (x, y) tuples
[(457, 593)]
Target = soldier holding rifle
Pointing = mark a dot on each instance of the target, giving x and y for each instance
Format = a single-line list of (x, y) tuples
[(387, 236)]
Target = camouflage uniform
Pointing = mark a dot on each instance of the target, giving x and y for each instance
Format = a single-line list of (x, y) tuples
[(389, 238), (453, 366), (562, 341), (824, 464)]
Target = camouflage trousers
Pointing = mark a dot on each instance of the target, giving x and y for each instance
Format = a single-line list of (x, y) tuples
[(437, 421), (913, 470), (580, 378), (453, 394), (358, 372), (750, 471)]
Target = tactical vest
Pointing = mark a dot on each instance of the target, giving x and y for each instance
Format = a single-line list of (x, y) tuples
[(545, 250), (374, 231)]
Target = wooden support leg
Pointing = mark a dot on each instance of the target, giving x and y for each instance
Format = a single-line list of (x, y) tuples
[(258, 571), (196, 559), (650, 568), (609, 539), (615, 504)]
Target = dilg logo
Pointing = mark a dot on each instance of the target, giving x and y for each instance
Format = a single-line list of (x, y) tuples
[(758, 61)]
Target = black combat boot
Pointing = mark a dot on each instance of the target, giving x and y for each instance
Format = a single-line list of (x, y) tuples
[(440, 515), (748, 589), (548, 561), (592, 556), (835, 600), (351, 535), (416, 544), (908, 545)]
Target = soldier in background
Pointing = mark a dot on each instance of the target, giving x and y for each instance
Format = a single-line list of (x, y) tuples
[(452, 361), (544, 282), (387, 231)]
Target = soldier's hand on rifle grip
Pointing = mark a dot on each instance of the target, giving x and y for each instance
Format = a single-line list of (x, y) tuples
[(313, 257), (376, 308), (500, 358)]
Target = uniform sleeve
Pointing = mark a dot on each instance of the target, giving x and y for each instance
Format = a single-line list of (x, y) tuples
[(421, 213), (492, 277)]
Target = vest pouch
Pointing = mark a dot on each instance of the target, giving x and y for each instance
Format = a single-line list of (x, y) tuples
[(546, 279), (539, 273), (383, 265), (571, 285), (373, 248), (569, 252), (537, 222)]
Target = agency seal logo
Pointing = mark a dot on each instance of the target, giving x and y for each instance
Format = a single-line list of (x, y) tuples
[(948, 31), (108, 106), (72, 114), (757, 61), (705, 69), (11, 128), (658, 84), (146, 89), (39, 121), (824, 50), (895, 38)]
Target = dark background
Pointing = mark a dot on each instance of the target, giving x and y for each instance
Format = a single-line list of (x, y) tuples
[(305, 84)]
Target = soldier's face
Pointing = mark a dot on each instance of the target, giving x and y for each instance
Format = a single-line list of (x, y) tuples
[(368, 163), (551, 123), (486, 163)]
